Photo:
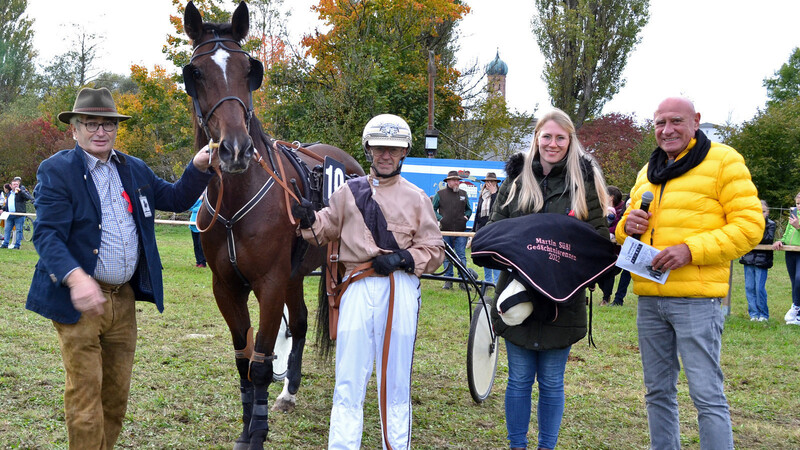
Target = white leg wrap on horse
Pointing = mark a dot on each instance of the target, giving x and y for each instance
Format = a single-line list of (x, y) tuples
[(359, 345), (285, 395)]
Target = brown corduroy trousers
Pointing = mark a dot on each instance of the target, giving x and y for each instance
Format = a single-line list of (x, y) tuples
[(98, 356)]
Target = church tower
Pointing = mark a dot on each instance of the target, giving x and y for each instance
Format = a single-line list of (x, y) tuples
[(496, 73)]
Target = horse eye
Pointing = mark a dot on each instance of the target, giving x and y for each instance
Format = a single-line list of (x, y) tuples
[(196, 74)]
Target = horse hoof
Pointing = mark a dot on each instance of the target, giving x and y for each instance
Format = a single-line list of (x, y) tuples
[(283, 405)]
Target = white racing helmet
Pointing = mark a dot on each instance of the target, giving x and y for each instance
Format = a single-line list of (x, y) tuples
[(387, 130)]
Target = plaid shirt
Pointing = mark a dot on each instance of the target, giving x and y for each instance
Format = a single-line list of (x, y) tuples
[(119, 243)]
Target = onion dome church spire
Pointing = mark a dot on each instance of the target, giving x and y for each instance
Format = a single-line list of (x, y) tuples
[(496, 72)]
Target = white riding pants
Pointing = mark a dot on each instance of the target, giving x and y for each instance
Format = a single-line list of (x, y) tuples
[(359, 345)]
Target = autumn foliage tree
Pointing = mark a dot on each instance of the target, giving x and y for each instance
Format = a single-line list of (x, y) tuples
[(160, 129), (620, 145), (371, 60), (34, 141)]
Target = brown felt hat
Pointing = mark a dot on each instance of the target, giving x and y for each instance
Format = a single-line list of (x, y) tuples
[(491, 176), (93, 102), (452, 175)]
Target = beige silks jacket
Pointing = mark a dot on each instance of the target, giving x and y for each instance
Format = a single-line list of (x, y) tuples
[(409, 216)]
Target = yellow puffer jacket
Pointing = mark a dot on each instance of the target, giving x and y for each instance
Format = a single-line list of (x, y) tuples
[(714, 209)]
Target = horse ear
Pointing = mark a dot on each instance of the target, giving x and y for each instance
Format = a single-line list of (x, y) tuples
[(240, 24), (192, 22)]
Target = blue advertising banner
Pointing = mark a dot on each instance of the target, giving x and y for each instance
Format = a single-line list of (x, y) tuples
[(429, 173)]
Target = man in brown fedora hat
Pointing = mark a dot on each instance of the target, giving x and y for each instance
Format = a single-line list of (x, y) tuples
[(453, 210), (95, 236)]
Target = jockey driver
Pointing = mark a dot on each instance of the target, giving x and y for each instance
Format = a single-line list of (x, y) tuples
[(388, 237)]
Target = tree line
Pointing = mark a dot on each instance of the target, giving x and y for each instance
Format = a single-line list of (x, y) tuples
[(372, 58)]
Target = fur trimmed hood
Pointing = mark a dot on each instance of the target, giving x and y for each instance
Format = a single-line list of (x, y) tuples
[(514, 165)]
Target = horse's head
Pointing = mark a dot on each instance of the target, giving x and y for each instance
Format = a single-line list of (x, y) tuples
[(220, 79)]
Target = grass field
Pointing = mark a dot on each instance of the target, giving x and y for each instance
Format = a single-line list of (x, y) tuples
[(185, 388)]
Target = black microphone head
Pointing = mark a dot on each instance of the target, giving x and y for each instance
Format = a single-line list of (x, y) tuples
[(647, 197)]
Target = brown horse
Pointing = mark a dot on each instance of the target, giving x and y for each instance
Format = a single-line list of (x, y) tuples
[(251, 244)]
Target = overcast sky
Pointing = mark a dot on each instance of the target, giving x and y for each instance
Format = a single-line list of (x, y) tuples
[(717, 52)]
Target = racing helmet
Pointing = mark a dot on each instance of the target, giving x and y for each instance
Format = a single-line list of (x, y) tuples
[(388, 130)]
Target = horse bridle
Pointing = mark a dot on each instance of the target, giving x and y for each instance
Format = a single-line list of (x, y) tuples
[(254, 82)]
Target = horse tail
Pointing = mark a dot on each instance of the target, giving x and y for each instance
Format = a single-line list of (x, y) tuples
[(324, 341)]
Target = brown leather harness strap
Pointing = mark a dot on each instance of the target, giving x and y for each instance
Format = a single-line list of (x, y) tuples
[(360, 272), (211, 154), (286, 191), (387, 337)]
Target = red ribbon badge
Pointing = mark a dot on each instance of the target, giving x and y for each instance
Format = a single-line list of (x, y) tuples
[(128, 201)]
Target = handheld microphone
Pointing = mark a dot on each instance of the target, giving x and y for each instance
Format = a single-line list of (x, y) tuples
[(647, 197)]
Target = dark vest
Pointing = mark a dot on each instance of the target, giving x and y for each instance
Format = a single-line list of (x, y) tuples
[(452, 206)]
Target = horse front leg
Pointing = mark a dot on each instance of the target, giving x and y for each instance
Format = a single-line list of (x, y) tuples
[(270, 300), (232, 304), (298, 325)]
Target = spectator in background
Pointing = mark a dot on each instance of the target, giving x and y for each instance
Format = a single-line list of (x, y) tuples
[(453, 210), (756, 263), (3, 195), (16, 202), (792, 237), (199, 257), (624, 275), (486, 200), (615, 209)]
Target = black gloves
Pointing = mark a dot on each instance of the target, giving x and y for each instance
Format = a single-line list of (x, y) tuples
[(305, 212), (386, 264)]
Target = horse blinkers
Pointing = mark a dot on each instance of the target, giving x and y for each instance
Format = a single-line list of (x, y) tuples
[(189, 73), (256, 74)]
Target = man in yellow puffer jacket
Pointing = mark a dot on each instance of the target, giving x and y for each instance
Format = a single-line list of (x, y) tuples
[(705, 213)]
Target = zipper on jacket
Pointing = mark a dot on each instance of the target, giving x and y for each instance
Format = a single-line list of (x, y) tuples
[(660, 196)]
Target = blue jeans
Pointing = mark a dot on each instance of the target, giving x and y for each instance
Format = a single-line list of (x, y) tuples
[(524, 368), (15, 221), (491, 275), (755, 286), (459, 244), (622, 286), (792, 267), (692, 329)]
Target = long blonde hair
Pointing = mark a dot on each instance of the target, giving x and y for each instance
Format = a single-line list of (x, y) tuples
[(530, 194)]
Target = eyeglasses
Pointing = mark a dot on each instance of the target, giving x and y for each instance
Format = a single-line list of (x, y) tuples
[(560, 140), (394, 152), (108, 126)]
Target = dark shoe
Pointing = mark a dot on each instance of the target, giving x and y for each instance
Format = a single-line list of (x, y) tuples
[(616, 303), (447, 285), (462, 286)]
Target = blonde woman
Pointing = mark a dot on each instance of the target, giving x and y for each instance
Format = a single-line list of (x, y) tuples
[(556, 176)]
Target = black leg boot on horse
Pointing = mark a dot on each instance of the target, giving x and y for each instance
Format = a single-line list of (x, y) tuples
[(246, 388), (261, 376)]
